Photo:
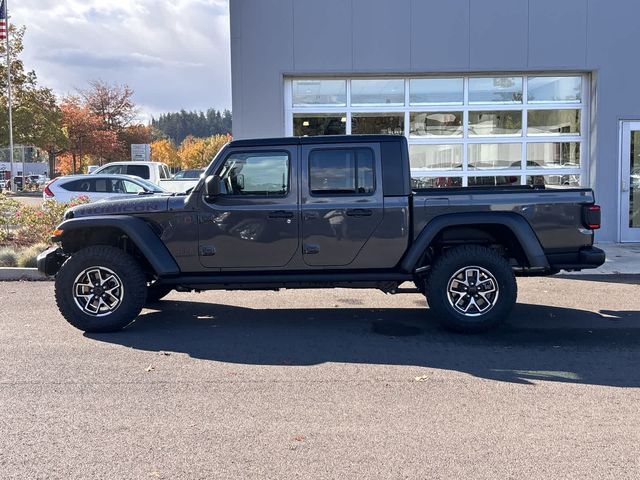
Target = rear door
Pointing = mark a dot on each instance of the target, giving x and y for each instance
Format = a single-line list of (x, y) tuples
[(341, 203)]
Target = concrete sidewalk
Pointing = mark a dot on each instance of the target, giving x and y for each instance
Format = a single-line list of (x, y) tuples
[(622, 259)]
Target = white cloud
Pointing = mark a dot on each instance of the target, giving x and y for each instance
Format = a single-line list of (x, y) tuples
[(174, 54)]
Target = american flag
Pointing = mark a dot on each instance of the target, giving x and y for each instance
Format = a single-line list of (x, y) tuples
[(3, 19)]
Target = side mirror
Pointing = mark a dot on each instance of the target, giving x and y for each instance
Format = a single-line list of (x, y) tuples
[(213, 186)]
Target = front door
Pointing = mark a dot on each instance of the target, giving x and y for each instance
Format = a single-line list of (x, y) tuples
[(630, 184), (254, 223), (342, 201)]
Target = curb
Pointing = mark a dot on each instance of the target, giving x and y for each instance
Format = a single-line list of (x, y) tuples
[(12, 274)]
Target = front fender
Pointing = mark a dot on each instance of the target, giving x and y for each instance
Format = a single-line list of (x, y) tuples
[(138, 231)]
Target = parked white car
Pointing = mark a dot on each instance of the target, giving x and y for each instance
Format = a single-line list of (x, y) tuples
[(155, 172), (98, 187)]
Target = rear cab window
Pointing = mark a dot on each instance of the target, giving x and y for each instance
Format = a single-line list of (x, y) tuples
[(141, 171), (342, 171)]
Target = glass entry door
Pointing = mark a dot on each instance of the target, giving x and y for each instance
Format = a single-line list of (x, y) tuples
[(630, 185)]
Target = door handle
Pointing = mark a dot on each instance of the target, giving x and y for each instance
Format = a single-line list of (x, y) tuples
[(359, 212), (280, 214)]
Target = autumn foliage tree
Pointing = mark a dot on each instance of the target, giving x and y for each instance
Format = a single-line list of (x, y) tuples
[(198, 152), (166, 152), (84, 134)]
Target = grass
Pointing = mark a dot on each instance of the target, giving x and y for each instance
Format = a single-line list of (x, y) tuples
[(8, 257), (28, 258)]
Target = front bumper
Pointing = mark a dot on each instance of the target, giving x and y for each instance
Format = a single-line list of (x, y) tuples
[(50, 261)]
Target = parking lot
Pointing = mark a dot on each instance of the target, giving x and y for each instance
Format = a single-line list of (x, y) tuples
[(324, 384)]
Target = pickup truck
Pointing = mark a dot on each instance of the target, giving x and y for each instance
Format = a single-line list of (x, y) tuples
[(319, 212), (156, 172)]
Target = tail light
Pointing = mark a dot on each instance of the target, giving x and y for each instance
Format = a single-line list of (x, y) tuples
[(591, 216), (47, 191)]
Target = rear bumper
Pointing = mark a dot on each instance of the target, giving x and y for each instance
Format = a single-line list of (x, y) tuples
[(50, 260), (588, 257)]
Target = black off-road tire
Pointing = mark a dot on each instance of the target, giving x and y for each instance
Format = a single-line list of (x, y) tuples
[(466, 260), (156, 292), (129, 274)]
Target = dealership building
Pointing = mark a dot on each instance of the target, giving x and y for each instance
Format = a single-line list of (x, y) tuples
[(487, 92)]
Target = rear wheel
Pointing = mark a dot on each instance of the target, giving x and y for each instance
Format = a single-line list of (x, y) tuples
[(100, 289), (471, 289)]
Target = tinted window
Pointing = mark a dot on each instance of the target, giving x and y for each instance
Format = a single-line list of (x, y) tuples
[(112, 169), (141, 171), (82, 185), (256, 173), (341, 171)]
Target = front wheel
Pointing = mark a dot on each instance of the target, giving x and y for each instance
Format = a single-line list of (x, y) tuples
[(471, 289), (100, 289)]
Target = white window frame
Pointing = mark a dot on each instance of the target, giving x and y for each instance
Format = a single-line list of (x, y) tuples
[(465, 108)]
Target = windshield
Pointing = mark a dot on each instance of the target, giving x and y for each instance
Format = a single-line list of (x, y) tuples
[(152, 187)]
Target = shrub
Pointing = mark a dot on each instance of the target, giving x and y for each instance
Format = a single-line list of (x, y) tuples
[(8, 209), (36, 224), (8, 257), (28, 258)]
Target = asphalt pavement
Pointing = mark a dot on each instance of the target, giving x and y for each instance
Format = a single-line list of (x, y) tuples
[(324, 384)]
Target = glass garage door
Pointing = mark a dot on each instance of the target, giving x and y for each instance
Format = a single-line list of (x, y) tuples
[(462, 131)]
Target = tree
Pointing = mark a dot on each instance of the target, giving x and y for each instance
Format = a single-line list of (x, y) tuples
[(84, 133), (36, 115), (112, 103), (198, 152), (166, 152), (179, 125)]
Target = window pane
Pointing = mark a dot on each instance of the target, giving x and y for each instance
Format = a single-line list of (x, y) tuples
[(341, 171), (436, 91), (550, 155), (494, 181), (306, 125), (141, 171), (442, 157), (495, 155), (256, 173), (377, 92), (569, 180), (427, 124), (554, 89), (495, 90), (435, 182), (495, 123), (554, 122), (319, 92), (378, 123)]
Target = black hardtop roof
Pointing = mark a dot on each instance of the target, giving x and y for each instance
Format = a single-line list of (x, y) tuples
[(261, 142)]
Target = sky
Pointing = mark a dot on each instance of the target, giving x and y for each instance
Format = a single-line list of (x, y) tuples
[(174, 54)]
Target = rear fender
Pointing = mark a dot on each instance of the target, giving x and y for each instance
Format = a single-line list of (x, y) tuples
[(517, 224)]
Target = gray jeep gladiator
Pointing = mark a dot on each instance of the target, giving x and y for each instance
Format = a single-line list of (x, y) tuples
[(319, 212)]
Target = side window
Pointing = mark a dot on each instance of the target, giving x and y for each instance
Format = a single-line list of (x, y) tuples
[(141, 171), (256, 173), (112, 169), (179, 175), (341, 172), (83, 185)]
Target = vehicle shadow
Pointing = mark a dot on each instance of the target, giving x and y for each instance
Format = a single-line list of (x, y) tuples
[(630, 279), (539, 342)]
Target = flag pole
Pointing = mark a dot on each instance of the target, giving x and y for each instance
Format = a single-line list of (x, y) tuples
[(13, 185)]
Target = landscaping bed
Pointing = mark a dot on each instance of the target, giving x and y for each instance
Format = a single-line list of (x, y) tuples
[(25, 230)]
